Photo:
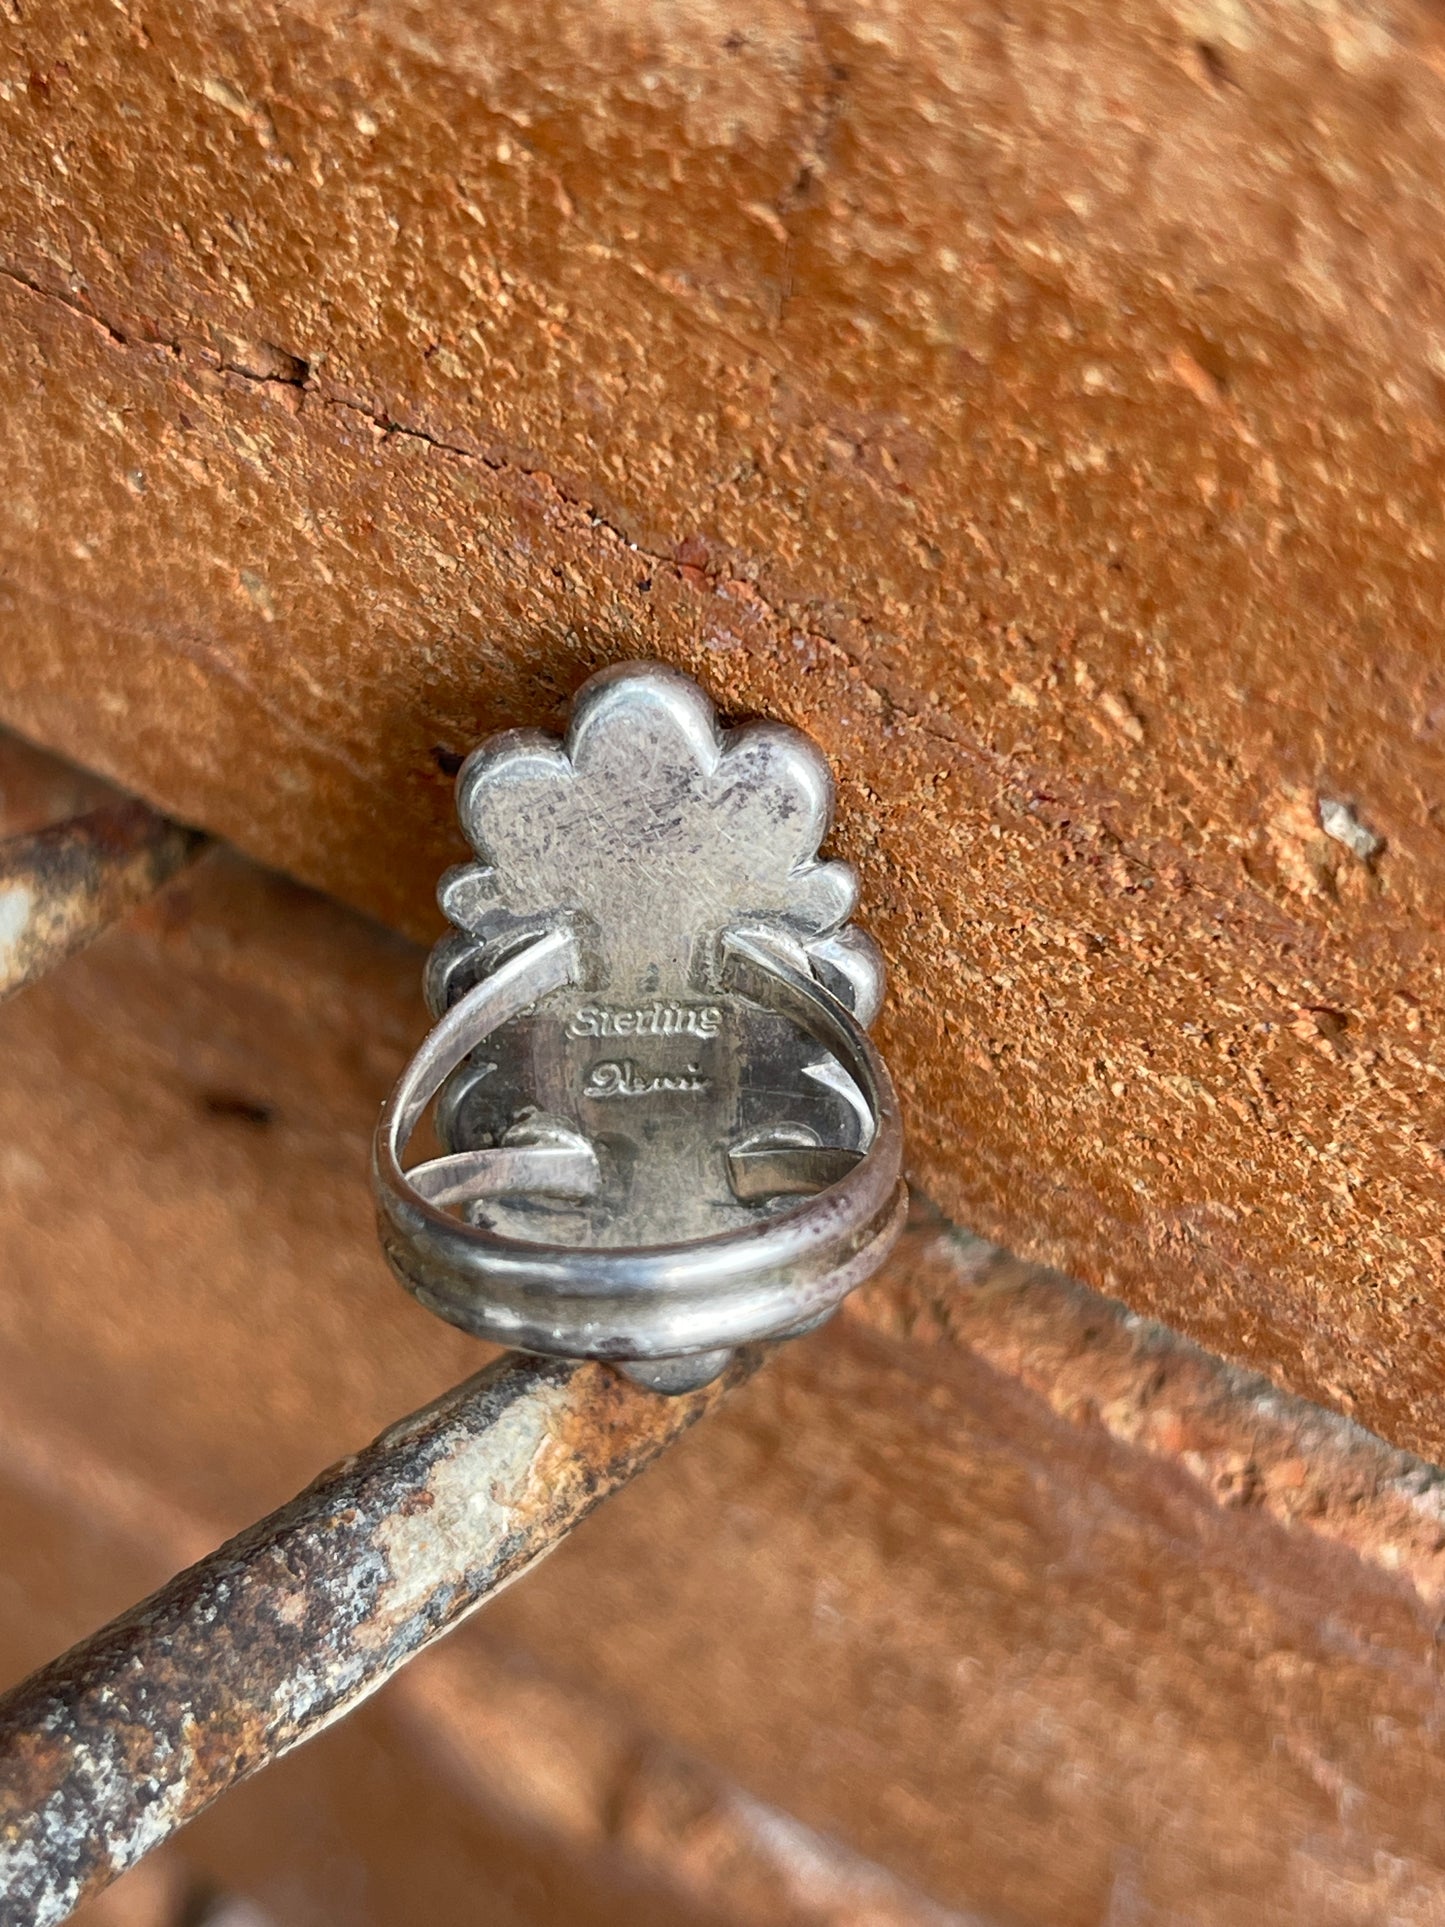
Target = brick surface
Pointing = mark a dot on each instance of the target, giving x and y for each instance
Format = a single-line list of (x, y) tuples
[(990, 1604), (1041, 403)]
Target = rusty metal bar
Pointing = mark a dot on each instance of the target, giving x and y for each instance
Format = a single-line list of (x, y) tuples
[(108, 1750), (62, 886)]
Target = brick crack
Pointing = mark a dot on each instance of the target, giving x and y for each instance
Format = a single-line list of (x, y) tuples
[(1033, 790), (813, 160)]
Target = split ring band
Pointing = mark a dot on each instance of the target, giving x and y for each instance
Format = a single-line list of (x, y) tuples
[(774, 1275)]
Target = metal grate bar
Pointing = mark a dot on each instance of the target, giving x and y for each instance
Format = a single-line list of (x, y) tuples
[(109, 1749), (62, 886)]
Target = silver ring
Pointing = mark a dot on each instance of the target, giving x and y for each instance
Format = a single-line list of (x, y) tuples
[(650, 1024)]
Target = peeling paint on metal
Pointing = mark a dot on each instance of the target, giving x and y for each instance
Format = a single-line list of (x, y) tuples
[(62, 886), (15, 906), (473, 1498), (107, 1751)]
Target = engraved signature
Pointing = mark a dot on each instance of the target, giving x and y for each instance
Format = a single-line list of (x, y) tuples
[(652, 1020), (621, 1078)]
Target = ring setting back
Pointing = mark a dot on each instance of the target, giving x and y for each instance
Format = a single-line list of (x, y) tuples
[(664, 1131)]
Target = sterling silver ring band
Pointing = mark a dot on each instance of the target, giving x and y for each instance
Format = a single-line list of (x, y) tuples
[(662, 1301)]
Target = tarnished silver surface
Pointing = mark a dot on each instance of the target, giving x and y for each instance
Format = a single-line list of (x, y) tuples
[(651, 1046)]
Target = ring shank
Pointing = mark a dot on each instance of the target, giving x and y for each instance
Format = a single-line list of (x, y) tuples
[(657, 1301)]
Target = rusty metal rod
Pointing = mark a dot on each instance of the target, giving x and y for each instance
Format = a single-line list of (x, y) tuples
[(62, 886), (109, 1749)]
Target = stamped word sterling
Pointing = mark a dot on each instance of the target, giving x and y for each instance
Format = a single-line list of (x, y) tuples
[(654, 1020)]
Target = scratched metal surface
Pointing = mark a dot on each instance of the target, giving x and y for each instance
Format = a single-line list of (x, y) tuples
[(649, 830)]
